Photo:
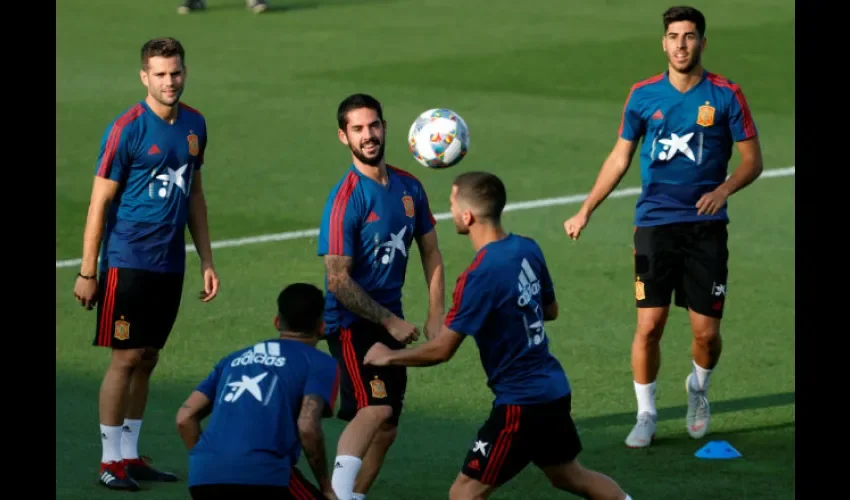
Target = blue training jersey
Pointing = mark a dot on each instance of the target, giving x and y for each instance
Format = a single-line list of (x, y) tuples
[(375, 226), (499, 301), (154, 162), (256, 393), (687, 143)]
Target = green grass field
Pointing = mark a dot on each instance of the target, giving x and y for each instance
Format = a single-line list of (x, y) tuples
[(541, 85)]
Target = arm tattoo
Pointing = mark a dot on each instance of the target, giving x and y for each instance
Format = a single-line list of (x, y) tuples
[(312, 435), (352, 296)]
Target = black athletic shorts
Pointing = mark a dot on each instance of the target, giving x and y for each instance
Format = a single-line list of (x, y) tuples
[(688, 258), (366, 385), (516, 435), (299, 489), (136, 308)]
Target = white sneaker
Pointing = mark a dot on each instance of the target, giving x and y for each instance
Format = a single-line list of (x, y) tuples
[(699, 412), (643, 433)]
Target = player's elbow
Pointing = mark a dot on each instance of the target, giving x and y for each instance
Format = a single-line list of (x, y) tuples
[(309, 431), (185, 419), (550, 312)]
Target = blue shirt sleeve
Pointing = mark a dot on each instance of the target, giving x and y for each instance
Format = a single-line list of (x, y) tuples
[(116, 151), (209, 386), (632, 126), (741, 124), (547, 288), (323, 380), (425, 221), (471, 304), (341, 221)]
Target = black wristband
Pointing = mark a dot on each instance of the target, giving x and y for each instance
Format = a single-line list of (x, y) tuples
[(92, 277)]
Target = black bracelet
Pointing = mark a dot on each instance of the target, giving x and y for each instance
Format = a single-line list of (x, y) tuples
[(92, 277)]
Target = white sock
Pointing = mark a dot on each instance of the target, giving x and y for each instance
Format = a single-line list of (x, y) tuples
[(628, 497), (130, 438), (110, 438), (700, 379), (345, 471), (646, 398), (358, 496)]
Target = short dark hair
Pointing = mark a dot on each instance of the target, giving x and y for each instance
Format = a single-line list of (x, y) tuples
[(300, 307), (684, 13), (357, 101), (484, 191), (162, 47)]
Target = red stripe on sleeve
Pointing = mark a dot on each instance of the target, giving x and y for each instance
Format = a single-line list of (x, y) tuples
[(114, 139), (336, 227)]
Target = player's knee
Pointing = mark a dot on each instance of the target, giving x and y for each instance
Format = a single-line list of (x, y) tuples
[(126, 359), (707, 337), (464, 488), (387, 434), (379, 413), (567, 477), (149, 358)]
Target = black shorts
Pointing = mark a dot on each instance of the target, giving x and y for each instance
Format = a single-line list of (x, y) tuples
[(299, 489), (366, 385), (136, 308), (516, 435), (688, 258)]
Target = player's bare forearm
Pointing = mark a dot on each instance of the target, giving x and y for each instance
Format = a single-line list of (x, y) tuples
[(613, 169), (199, 229), (103, 192), (748, 170), (435, 278), (433, 352), (350, 294), (189, 417), (312, 438)]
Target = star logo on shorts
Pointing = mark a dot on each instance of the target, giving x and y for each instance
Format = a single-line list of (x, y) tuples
[(480, 446)]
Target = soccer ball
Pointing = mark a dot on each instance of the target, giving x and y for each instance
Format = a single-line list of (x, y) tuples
[(438, 138)]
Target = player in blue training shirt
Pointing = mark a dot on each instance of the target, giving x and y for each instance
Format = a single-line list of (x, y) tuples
[(371, 218), (147, 187), (265, 403), (502, 301), (689, 119)]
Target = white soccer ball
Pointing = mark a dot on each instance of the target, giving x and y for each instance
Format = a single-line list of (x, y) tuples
[(438, 138)]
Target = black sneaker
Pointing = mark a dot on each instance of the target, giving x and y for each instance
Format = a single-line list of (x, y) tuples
[(114, 476), (138, 469), (190, 6)]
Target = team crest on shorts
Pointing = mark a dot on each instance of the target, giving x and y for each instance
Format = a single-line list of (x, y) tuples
[(640, 293), (122, 329), (379, 390), (408, 205), (705, 117), (194, 147)]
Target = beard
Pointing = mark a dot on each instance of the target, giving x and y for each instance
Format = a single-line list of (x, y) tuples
[(161, 98), (373, 161), (689, 65), (461, 228)]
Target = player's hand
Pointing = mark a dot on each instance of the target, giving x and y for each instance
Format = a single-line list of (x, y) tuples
[(402, 331), (85, 291), (210, 284), (574, 225), (711, 203), (330, 495), (378, 355)]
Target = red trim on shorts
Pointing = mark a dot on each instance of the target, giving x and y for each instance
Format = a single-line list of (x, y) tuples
[(297, 488), (503, 444), (107, 311), (353, 368)]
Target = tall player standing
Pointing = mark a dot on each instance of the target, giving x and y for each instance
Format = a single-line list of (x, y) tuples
[(370, 220), (689, 119), (502, 300), (147, 187)]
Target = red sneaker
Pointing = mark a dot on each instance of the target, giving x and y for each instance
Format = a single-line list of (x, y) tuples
[(114, 476)]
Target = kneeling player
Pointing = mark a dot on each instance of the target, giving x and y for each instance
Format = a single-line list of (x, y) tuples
[(502, 300), (266, 402)]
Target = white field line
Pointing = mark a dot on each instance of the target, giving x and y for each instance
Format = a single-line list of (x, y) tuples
[(521, 205)]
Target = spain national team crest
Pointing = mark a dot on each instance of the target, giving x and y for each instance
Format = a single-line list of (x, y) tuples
[(408, 205), (705, 117), (379, 390), (194, 146), (122, 329), (640, 293)]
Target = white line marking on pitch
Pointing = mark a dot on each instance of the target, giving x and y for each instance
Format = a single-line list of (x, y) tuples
[(521, 205)]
